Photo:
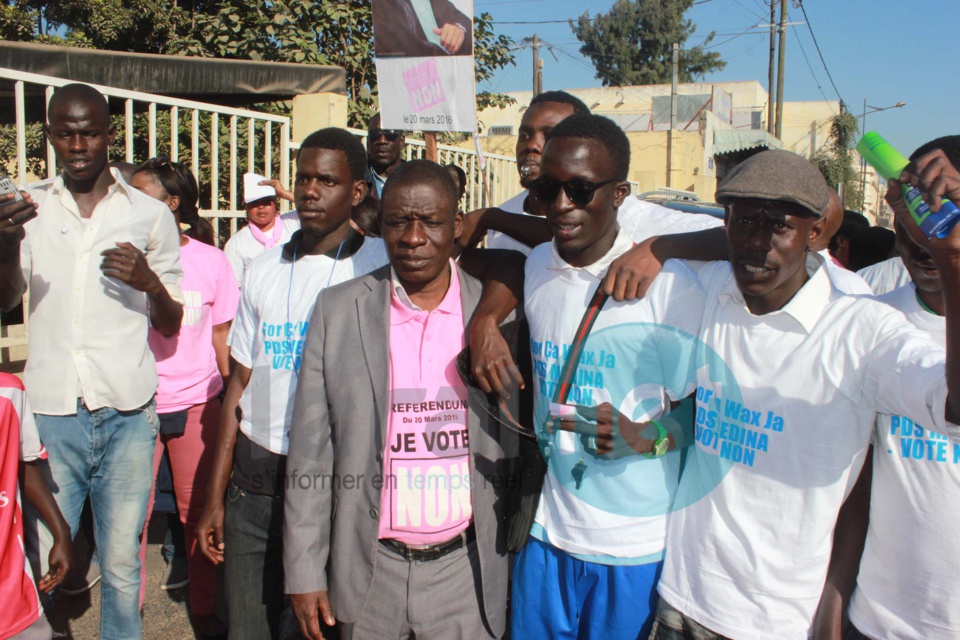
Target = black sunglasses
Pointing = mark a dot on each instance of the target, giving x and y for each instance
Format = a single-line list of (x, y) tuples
[(390, 134), (580, 192)]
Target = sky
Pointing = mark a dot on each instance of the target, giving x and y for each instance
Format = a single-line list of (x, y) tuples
[(881, 51)]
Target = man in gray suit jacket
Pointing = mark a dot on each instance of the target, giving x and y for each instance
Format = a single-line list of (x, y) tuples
[(371, 539)]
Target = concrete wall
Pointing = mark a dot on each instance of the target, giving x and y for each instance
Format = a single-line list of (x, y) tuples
[(648, 160), (620, 102), (806, 127), (316, 111)]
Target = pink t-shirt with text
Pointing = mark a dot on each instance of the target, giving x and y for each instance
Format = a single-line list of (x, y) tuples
[(186, 363), (426, 496)]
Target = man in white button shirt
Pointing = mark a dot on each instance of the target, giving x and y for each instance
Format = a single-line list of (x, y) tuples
[(102, 262), (748, 561)]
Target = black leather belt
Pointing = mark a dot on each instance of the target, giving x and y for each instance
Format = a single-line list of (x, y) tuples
[(433, 551)]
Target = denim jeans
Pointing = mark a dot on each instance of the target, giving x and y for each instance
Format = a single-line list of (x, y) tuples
[(253, 564), (108, 455)]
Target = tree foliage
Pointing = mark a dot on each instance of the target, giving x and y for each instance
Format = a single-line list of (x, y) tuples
[(336, 32), (835, 158), (632, 43)]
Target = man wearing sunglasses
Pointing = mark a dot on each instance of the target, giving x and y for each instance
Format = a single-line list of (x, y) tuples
[(518, 224), (383, 154), (645, 221), (590, 565)]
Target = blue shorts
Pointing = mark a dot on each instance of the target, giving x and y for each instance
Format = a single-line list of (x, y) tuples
[(557, 596)]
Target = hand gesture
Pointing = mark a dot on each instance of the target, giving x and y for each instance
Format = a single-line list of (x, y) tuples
[(936, 178), (14, 216), (605, 432), (278, 187), (306, 606), (127, 264), (630, 275)]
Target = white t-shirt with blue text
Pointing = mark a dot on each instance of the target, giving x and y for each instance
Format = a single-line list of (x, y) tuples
[(270, 329), (907, 586), (749, 559), (620, 510)]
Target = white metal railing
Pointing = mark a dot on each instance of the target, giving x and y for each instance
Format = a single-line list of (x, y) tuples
[(200, 144), (197, 142), (490, 185)]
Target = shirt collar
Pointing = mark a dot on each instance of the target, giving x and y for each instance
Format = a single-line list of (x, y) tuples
[(69, 203), (807, 305), (621, 244), (350, 245), (119, 184), (404, 309)]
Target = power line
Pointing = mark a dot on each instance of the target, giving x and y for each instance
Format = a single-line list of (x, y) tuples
[(742, 33), (748, 10), (809, 66), (820, 53), (562, 21)]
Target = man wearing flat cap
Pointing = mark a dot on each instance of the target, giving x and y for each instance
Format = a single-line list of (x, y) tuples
[(784, 434)]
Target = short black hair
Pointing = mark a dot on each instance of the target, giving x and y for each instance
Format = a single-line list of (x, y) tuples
[(950, 145), (177, 180), (421, 172), (869, 246), (579, 106), (337, 139), (853, 221), (603, 130), (77, 92)]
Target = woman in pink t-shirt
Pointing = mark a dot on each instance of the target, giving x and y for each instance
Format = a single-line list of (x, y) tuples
[(191, 367)]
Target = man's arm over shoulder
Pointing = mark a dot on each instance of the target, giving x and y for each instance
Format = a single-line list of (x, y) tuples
[(502, 273), (660, 234), (308, 505)]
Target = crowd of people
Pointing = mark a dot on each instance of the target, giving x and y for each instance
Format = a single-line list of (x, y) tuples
[(612, 421)]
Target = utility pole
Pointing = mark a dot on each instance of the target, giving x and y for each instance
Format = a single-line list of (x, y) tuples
[(537, 67), (863, 162), (770, 76), (781, 61), (675, 76)]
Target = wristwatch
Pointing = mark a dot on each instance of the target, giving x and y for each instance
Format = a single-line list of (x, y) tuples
[(661, 444)]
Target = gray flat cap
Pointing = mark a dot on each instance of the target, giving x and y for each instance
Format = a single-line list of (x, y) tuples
[(777, 175)]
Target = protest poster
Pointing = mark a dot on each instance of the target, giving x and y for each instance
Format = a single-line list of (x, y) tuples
[(425, 64)]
